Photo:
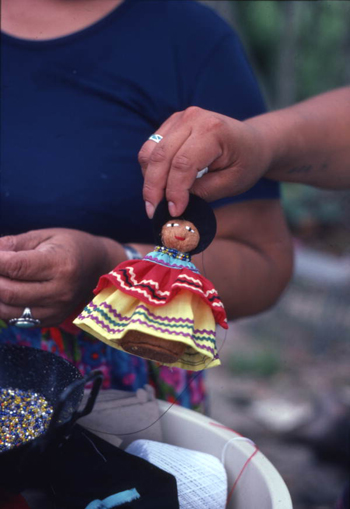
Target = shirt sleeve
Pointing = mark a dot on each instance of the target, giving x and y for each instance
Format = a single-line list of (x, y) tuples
[(226, 84)]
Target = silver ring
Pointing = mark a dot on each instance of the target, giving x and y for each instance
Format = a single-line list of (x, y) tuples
[(156, 137), (202, 172), (26, 320)]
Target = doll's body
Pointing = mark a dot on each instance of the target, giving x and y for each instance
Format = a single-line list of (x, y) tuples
[(160, 307)]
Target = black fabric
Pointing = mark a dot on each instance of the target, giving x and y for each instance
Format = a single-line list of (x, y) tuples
[(86, 468), (344, 501)]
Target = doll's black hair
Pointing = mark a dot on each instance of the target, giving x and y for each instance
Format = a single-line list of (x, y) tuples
[(198, 211)]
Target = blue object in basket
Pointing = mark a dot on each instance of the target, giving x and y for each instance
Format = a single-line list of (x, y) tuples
[(115, 500)]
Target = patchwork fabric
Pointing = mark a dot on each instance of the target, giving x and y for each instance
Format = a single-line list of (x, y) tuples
[(157, 283), (120, 370), (186, 319), (160, 296)]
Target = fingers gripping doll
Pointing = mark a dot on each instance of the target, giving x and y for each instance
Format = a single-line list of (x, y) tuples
[(160, 307)]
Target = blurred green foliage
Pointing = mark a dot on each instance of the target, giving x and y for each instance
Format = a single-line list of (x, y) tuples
[(304, 204), (309, 39), (259, 364), (300, 49)]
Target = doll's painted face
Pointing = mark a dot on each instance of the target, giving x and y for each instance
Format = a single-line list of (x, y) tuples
[(180, 234)]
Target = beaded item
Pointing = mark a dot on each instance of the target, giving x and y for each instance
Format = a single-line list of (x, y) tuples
[(24, 416), (174, 253)]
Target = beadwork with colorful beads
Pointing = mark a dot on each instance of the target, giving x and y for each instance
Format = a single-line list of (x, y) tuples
[(24, 416), (174, 253)]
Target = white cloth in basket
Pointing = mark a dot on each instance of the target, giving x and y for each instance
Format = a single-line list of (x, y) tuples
[(201, 478)]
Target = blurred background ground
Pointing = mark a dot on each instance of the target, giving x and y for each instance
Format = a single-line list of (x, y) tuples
[(285, 379), (285, 383)]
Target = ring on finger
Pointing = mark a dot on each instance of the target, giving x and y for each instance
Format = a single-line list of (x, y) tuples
[(156, 138), (26, 320), (202, 172)]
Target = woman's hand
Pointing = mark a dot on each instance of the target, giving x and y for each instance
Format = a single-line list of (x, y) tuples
[(306, 143), (51, 271), (234, 152)]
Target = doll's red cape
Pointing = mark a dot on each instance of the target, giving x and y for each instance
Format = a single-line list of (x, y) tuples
[(157, 285)]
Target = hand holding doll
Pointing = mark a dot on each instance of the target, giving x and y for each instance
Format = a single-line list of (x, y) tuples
[(160, 307)]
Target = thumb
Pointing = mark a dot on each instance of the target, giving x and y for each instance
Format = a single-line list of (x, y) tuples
[(215, 185), (7, 243)]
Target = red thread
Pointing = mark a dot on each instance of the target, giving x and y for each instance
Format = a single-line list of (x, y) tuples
[(240, 474), (229, 496), (225, 427)]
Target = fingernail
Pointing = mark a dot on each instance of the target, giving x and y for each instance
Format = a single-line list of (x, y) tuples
[(149, 209), (171, 206)]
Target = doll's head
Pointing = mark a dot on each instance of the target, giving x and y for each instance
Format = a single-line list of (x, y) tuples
[(181, 235), (190, 233)]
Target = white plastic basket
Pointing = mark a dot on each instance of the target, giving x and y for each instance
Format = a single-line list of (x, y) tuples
[(122, 417), (259, 487)]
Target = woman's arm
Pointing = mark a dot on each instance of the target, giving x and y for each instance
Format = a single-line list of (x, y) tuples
[(250, 262), (53, 271), (307, 143)]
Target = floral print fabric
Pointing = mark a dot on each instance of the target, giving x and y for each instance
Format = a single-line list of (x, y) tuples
[(120, 370)]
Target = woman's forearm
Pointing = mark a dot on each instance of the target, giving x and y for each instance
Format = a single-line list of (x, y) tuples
[(114, 252), (247, 280), (251, 260), (309, 142)]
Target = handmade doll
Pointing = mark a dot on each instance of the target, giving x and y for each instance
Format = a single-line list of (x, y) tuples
[(160, 307)]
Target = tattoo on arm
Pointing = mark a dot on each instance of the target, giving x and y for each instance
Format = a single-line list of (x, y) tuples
[(305, 168)]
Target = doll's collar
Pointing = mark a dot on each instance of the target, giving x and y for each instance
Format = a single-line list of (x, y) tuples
[(174, 253)]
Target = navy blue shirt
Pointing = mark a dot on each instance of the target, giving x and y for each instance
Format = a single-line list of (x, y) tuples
[(76, 110)]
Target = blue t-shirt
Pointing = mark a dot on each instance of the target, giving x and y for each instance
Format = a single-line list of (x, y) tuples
[(76, 110)]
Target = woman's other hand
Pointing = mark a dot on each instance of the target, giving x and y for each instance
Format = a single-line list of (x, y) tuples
[(52, 271), (234, 152)]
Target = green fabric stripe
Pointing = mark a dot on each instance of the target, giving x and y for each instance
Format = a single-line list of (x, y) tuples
[(148, 319), (103, 313)]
